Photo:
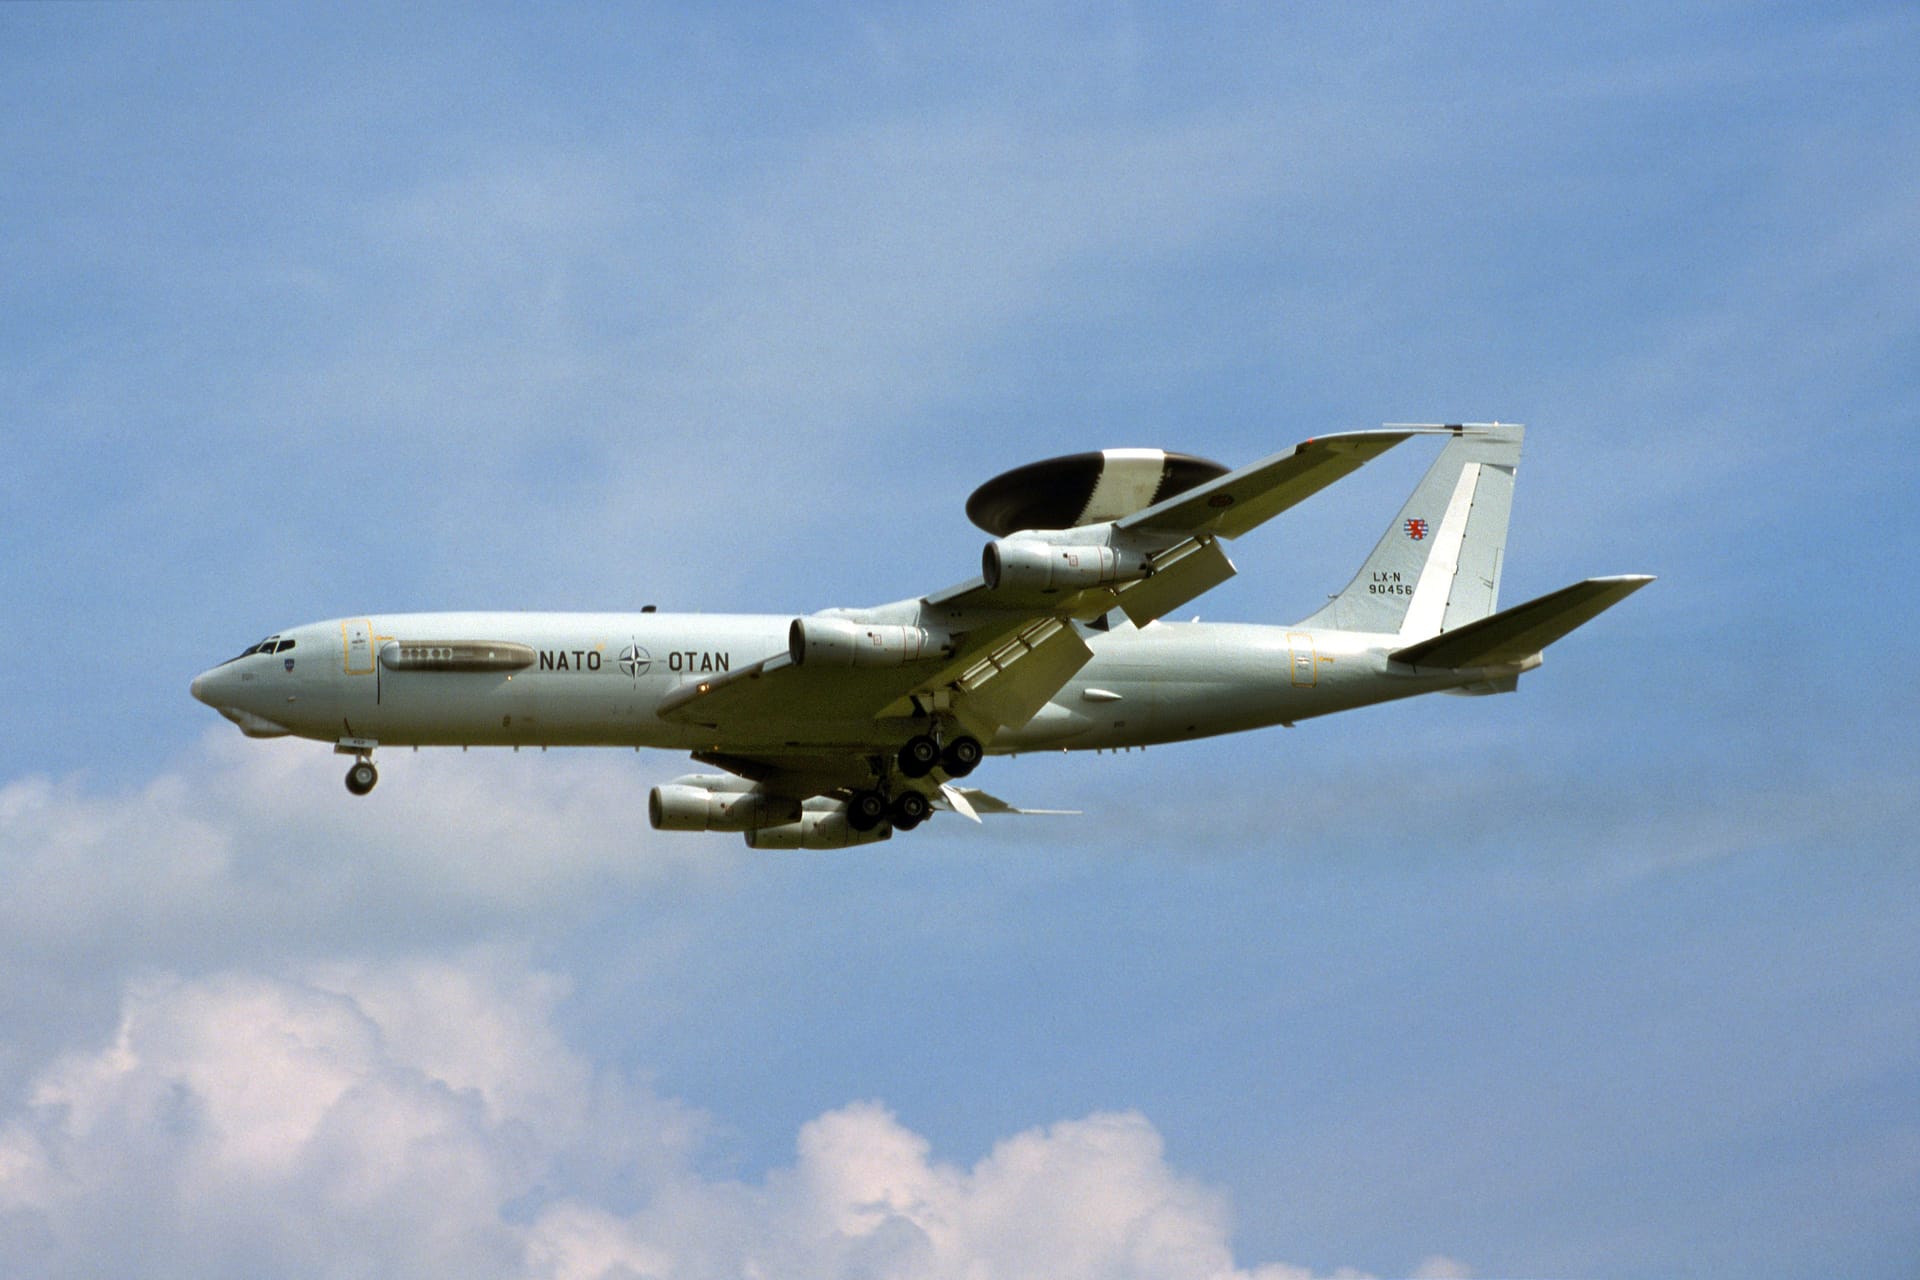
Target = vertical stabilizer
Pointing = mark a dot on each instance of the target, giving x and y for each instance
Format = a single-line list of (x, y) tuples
[(1438, 564)]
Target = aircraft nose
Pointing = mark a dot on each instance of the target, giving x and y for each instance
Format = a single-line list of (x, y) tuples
[(201, 687)]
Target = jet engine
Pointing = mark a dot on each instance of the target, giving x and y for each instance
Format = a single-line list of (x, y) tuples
[(836, 642), (1027, 564), (692, 807), (816, 829)]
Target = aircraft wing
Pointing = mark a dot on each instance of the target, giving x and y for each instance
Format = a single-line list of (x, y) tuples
[(1241, 500), (797, 773), (1007, 654), (1187, 526), (1004, 672)]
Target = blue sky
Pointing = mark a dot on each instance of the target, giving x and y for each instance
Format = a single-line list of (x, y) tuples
[(312, 312)]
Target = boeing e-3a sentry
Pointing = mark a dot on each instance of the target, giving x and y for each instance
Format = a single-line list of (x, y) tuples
[(845, 726)]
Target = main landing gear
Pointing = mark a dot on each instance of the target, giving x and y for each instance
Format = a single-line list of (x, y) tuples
[(908, 807), (909, 810), (868, 808), (923, 751), (961, 755), (865, 809)]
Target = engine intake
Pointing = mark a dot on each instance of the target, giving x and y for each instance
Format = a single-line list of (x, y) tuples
[(1025, 564), (836, 642)]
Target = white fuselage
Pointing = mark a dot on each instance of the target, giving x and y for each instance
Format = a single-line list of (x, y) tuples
[(597, 679), (843, 726)]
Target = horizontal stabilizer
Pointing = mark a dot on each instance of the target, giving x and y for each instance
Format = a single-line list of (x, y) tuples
[(970, 802), (1515, 634)]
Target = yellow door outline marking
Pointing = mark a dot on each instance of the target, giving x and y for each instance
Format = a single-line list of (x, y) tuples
[(346, 646), (1303, 667)]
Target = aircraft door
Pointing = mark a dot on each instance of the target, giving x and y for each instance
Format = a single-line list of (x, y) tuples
[(357, 637), (354, 696)]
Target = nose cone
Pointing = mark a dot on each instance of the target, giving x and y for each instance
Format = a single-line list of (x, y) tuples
[(220, 690)]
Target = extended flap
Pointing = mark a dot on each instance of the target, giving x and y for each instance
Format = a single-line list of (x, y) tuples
[(1197, 568)]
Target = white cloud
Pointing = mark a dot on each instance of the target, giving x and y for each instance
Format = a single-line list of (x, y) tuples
[(425, 1118), (259, 840), (247, 853), (272, 1093)]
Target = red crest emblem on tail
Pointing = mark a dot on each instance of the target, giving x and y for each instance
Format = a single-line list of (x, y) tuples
[(1417, 529)]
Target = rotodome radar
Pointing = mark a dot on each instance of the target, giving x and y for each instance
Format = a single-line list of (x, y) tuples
[(1085, 488)]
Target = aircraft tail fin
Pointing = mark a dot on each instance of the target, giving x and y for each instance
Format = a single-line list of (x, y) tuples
[(1513, 635), (1437, 567)]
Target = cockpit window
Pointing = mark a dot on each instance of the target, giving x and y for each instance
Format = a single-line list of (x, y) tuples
[(265, 646), (283, 646)]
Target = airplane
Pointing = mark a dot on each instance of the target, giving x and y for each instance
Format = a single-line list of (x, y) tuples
[(842, 727)]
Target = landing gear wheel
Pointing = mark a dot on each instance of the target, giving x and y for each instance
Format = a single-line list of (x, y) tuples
[(961, 755), (361, 777), (919, 756), (910, 809), (865, 809)]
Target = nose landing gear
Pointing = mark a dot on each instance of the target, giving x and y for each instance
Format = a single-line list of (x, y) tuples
[(361, 777)]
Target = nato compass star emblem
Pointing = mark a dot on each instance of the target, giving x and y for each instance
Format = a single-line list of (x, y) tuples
[(634, 660)]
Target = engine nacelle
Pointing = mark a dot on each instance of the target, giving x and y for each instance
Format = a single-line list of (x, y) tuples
[(816, 829), (680, 807), (1026, 564), (836, 642)]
